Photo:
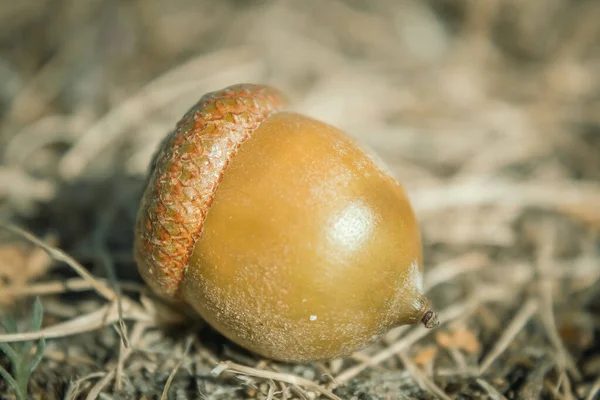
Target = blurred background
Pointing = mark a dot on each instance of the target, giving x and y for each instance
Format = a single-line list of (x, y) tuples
[(488, 112)]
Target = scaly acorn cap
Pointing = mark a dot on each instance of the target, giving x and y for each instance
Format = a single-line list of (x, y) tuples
[(185, 174)]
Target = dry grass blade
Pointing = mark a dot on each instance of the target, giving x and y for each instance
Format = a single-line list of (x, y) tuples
[(414, 336), (58, 255), (16, 182), (45, 131), (188, 346), (492, 392), (63, 357), (114, 373), (101, 384), (163, 90), (545, 264), (525, 313), (68, 285), (594, 390), (420, 376), (451, 269), (275, 376), (103, 317), (76, 387), (271, 391), (444, 273), (557, 195)]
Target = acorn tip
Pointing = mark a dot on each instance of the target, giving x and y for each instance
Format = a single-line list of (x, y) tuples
[(430, 319)]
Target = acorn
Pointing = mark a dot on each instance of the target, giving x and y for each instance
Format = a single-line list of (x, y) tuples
[(281, 231)]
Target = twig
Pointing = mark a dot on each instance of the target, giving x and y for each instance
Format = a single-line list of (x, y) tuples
[(190, 341), (419, 375), (136, 335), (59, 255), (414, 336), (494, 394), (594, 390), (443, 273), (275, 376), (104, 316), (106, 220), (448, 270), (157, 93), (101, 384), (75, 389), (68, 285), (544, 264), (518, 322), (469, 193), (110, 271)]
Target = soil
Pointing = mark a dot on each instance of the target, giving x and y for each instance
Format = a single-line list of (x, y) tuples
[(488, 112)]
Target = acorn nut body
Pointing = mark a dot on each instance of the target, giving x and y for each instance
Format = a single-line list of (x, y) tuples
[(279, 230)]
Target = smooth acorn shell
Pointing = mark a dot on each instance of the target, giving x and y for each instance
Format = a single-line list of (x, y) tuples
[(309, 249)]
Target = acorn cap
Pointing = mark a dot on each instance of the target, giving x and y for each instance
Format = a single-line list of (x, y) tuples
[(185, 174)]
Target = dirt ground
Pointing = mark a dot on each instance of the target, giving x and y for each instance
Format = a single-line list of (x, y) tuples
[(487, 111)]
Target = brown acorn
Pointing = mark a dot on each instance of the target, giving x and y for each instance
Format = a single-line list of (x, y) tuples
[(281, 231)]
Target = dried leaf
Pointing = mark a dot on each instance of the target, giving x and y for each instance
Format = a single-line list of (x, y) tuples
[(461, 339), (426, 355)]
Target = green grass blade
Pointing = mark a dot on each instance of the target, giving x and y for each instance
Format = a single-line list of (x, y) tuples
[(34, 326), (37, 357), (10, 353), (24, 353), (38, 315), (12, 382), (9, 323)]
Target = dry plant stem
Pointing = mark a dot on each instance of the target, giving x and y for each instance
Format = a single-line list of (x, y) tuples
[(45, 131), (121, 362), (104, 316), (157, 93), (271, 391), (103, 257), (61, 356), (469, 372), (100, 318), (101, 384), (136, 336), (451, 269), (525, 313), (544, 264), (275, 376), (300, 392), (75, 389), (492, 392), (414, 336), (566, 385), (58, 255), (188, 346), (108, 128), (16, 182), (459, 359), (47, 83), (416, 372), (594, 390), (450, 313), (445, 272), (66, 286), (554, 390), (109, 267), (469, 193)]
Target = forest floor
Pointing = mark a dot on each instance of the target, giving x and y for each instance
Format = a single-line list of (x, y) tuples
[(488, 112)]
